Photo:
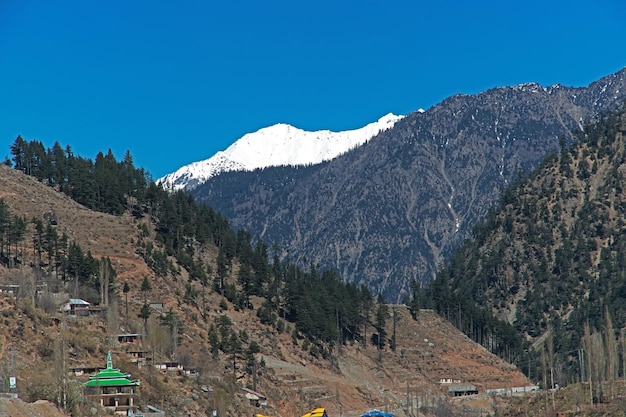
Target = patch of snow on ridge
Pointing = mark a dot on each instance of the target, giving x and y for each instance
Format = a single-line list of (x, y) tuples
[(277, 145)]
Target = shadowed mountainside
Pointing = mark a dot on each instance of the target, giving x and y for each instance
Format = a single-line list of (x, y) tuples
[(392, 210)]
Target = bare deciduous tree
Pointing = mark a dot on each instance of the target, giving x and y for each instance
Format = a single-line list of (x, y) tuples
[(106, 274), (595, 352), (612, 358), (623, 344), (159, 338), (46, 302), (113, 323), (550, 351), (26, 284)]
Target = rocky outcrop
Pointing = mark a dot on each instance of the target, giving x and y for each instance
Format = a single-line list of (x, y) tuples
[(392, 210)]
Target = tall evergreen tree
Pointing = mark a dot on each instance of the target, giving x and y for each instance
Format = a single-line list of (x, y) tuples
[(382, 311), (145, 288)]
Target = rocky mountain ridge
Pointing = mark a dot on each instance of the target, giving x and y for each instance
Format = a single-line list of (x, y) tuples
[(392, 210)]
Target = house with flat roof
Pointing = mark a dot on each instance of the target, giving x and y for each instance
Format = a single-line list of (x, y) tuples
[(458, 390)]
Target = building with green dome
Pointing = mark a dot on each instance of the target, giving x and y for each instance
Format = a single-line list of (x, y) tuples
[(112, 389)]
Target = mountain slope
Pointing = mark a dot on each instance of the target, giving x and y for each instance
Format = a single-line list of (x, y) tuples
[(277, 145), (553, 253), (294, 380), (393, 209)]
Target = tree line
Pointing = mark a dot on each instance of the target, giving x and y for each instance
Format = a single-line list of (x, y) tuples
[(54, 256), (323, 309), (104, 185)]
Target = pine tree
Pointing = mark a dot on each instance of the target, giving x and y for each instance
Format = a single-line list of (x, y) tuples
[(38, 238), (145, 288), (125, 290), (381, 318), (222, 271), (145, 314), (51, 243), (415, 298)]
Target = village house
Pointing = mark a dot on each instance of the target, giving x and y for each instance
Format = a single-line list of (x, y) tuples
[(139, 355), (75, 307), (112, 389), (458, 390), (448, 381), (133, 338), (170, 367)]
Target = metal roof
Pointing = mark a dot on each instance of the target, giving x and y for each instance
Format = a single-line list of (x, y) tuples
[(110, 377)]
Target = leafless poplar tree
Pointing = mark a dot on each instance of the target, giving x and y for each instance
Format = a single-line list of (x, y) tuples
[(612, 357), (550, 352), (595, 351), (106, 274), (586, 342), (623, 345), (113, 322)]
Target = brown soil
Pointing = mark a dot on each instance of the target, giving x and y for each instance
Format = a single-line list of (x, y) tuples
[(428, 349), (12, 407)]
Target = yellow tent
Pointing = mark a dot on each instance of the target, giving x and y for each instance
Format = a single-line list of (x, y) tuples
[(318, 412)]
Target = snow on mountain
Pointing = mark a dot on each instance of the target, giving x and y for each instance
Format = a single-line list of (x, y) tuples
[(277, 145)]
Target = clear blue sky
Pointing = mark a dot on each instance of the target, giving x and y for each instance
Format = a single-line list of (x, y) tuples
[(174, 82)]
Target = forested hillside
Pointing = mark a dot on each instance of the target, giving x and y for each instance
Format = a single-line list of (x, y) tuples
[(551, 258), (232, 312), (321, 305)]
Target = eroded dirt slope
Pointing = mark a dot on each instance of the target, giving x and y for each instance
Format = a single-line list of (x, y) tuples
[(14, 407)]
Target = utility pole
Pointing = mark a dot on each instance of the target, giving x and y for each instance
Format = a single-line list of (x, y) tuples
[(5, 376), (12, 379), (64, 387), (254, 375)]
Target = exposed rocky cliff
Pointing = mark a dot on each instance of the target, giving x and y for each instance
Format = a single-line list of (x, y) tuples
[(392, 210)]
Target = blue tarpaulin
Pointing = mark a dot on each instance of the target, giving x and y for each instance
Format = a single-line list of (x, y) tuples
[(377, 413)]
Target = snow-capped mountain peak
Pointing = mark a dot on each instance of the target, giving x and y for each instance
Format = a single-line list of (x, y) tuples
[(277, 145)]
